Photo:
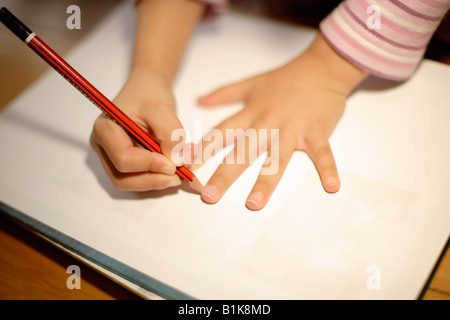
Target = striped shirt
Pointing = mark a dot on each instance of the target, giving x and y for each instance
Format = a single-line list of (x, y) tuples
[(385, 37)]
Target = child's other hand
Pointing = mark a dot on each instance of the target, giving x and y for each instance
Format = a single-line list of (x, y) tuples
[(304, 100), (147, 99)]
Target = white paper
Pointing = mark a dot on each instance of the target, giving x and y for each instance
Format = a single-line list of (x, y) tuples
[(391, 147)]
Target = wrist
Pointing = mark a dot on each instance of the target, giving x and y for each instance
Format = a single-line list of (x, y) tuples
[(163, 31), (344, 75), (148, 75)]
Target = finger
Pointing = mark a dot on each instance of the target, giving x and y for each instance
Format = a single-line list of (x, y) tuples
[(221, 180), (321, 154), (231, 93), (167, 129), (141, 182), (124, 156), (189, 153), (246, 150), (276, 162), (134, 181), (219, 137)]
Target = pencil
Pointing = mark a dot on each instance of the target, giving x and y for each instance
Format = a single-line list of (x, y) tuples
[(88, 90)]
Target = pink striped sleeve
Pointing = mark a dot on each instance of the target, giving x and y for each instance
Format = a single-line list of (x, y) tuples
[(215, 6), (386, 37)]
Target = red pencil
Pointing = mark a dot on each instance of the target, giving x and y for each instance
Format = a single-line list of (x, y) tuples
[(87, 89)]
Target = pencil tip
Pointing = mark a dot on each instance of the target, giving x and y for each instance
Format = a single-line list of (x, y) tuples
[(196, 185)]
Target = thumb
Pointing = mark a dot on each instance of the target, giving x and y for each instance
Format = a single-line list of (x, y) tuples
[(169, 132), (228, 94)]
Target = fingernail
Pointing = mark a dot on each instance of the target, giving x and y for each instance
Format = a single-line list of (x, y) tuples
[(210, 192), (332, 184), (169, 170), (254, 200), (174, 183)]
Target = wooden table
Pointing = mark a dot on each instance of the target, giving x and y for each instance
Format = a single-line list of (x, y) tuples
[(30, 267)]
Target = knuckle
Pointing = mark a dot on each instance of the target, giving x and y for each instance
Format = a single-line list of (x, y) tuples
[(170, 137), (323, 151), (100, 126), (218, 178), (263, 184), (149, 164), (92, 141), (96, 129), (265, 121), (121, 163)]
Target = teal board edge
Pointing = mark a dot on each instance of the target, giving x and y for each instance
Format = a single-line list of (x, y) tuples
[(95, 256)]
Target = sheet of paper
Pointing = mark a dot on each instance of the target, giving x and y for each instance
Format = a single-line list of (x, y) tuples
[(379, 237)]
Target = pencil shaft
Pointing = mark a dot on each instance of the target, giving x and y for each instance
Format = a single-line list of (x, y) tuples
[(108, 107), (86, 88)]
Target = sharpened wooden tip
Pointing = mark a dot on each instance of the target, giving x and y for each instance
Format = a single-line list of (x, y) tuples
[(196, 185)]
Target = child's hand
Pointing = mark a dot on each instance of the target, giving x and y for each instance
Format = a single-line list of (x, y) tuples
[(147, 99), (304, 100)]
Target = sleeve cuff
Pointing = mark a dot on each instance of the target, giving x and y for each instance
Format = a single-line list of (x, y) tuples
[(387, 39)]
